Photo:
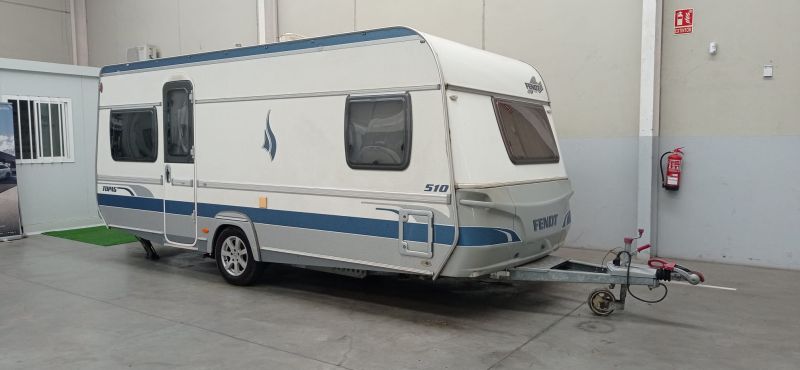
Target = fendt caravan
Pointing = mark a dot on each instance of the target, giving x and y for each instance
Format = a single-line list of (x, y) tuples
[(387, 150)]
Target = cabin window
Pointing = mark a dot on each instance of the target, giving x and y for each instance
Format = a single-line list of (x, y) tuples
[(378, 132), (42, 129), (526, 132), (134, 135), (178, 122)]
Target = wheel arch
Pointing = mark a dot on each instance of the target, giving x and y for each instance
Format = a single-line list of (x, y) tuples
[(224, 220)]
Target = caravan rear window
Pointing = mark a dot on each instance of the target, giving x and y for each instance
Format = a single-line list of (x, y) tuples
[(133, 135), (378, 132), (526, 132)]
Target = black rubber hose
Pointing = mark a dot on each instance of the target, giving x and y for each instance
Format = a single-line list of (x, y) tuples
[(661, 166)]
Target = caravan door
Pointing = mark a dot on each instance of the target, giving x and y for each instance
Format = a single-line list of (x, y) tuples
[(180, 185)]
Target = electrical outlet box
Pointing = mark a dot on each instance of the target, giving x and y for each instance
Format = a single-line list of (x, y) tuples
[(768, 71)]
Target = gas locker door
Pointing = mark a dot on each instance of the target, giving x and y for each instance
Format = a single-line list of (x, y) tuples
[(416, 233), (180, 183)]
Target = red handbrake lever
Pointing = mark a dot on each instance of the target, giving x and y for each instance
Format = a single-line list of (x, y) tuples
[(658, 263)]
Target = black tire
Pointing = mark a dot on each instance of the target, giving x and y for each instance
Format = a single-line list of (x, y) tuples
[(237, 268), (602, 302)]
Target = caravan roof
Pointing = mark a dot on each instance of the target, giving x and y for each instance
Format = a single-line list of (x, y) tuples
[(459, 66)]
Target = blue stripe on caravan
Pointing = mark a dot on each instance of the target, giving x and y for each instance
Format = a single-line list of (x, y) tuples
[(316, 221), (443, 234), (280, 47), (475, 236), (146, 204), (180, 208)]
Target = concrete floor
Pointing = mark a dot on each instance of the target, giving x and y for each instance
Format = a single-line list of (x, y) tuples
[(67, 305)]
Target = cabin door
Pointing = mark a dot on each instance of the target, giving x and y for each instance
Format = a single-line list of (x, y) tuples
[(180, 185)]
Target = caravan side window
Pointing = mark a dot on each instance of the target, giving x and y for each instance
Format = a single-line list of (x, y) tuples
[(134, 135), (378, 132), (178, 122), (526, 132)]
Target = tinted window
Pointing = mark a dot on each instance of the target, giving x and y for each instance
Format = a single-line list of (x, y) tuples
[(50, 128), (526, 132), (22, 129), (378, 132), (178, 125), (134, 135)]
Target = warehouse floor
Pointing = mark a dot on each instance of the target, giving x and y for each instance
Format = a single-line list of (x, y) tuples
[(67, 305)]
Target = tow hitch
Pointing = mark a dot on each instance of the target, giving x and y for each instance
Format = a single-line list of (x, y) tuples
[(620, 271)]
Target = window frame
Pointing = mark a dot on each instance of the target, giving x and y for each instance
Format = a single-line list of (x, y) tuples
[(189, 88), (152, 111), (65, 127), (511, 157), (406, 99)]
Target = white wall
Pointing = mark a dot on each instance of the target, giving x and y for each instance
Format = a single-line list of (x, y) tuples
[(36, 30), (740, 198), (176, 27), (316, 17), (457, 20)]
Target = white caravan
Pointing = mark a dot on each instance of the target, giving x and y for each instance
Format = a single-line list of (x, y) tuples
[(387, 150)]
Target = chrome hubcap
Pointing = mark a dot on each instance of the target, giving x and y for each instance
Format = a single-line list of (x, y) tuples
[(234, 255)]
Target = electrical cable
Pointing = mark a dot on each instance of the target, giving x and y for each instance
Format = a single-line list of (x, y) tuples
[(628, 280), (610, 251)]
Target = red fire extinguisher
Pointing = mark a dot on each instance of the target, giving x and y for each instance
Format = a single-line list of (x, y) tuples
[(672, 181)]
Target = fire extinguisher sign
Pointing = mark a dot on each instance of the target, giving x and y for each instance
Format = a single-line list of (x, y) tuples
[(683, 21)]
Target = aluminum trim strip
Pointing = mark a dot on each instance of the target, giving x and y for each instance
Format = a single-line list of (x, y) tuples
[(130, 106), (510, 183), (192, 247), (133, 180), (408, 197), (319, 94), (348, 260), (187, 183), (495, 94), (134, 228), (229, 218)]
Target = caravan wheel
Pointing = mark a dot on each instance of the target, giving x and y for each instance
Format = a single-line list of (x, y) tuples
[(235, 259)]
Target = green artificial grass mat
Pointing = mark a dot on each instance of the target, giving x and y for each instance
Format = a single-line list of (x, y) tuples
[(98, 235)]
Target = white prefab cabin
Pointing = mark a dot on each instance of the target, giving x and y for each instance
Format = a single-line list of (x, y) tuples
[(387, 150)]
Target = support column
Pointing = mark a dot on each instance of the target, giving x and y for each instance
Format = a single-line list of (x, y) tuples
[(649, 96), (80, 45), (267, 21)]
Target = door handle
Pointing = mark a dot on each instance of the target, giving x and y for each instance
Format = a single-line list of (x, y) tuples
[(167, 174)]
